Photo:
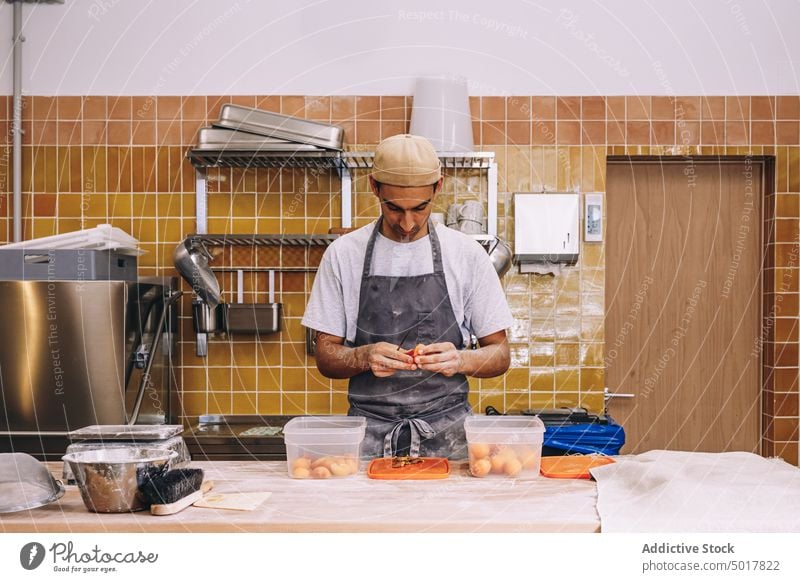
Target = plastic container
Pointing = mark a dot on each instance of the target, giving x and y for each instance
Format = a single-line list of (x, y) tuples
[(323, 447), (504, 446), (66, 265)]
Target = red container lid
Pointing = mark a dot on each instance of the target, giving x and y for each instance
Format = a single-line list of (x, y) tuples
[(572, 466), (405, 468)]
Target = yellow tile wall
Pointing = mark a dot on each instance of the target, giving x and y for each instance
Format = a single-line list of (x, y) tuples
[(95, 159)]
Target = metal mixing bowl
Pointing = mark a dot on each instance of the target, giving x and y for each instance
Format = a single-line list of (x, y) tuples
[(25, 483), (109, 478)]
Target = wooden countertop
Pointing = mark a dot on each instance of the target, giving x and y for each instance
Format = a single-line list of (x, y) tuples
[(460, 503)]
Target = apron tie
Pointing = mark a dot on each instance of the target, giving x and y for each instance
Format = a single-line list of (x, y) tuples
[(418, 428)]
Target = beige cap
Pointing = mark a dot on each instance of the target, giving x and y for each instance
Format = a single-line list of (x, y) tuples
[(406, 160)]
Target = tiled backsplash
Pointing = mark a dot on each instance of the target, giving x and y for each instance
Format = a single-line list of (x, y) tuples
[(90, 160)]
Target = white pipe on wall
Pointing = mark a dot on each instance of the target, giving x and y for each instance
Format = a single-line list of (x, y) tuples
[(16, 125), (16, 121)]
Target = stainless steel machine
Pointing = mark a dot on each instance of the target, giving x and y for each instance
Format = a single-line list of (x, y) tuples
[(76, 337)]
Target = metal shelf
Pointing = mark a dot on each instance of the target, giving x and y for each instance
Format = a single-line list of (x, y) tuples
[(466, 160), (343, 162), (292, 240), (265, 240), (227, 158), (223, 158), (277, 269)]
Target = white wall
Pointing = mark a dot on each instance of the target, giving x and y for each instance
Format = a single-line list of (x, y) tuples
[(573, 47)]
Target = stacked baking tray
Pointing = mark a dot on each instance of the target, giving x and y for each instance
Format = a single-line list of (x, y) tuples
[(243, 136), (103, 237)]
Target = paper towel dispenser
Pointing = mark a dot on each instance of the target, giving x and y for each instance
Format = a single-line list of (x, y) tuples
[(546, 229)]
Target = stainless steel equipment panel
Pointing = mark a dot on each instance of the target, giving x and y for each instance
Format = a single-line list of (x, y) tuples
[(69, 350)]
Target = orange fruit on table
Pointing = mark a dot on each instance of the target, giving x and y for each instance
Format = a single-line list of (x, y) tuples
[(479, 450), (481, 467)]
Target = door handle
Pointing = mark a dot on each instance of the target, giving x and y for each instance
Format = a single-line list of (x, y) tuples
[(609, 395)]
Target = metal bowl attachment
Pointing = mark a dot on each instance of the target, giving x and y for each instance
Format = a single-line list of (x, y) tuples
[(191, 261)]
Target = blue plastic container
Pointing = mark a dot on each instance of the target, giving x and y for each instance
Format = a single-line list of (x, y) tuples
[(583, 438)]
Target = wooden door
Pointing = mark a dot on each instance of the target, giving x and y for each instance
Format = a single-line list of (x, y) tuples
[(683, 302)]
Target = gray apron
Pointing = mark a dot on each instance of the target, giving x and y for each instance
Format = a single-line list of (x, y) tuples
[(416, 413)]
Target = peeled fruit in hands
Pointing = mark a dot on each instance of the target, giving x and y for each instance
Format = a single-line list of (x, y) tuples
[(416, 351)]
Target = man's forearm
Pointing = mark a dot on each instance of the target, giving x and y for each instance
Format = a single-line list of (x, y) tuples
[(340, 361), (486, 362)]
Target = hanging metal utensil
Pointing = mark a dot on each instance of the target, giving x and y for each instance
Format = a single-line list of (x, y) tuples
[(501, 257), (191, 261)]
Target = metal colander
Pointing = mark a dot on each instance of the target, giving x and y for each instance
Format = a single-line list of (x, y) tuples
[(25, 483)]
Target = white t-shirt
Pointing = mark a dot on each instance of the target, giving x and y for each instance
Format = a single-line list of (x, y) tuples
[(478, 301)]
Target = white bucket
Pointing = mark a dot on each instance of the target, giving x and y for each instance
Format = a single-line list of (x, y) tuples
[(441, 113)]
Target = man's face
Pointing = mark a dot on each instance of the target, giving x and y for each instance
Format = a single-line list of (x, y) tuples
[(405, 210)]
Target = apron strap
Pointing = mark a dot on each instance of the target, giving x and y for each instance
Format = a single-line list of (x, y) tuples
[(370, 248), (418, 428), (436, 248)]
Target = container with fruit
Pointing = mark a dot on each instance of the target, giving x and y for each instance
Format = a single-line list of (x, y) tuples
[(323, 447), (504, 446)]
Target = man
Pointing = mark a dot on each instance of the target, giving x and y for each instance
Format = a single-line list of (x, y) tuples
[(399, 283)]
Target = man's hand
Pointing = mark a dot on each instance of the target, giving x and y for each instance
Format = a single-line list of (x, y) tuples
[(385, 359), (335, 360), (442, 358)]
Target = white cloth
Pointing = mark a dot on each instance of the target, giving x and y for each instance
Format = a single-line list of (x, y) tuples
[(479, 303), (672, 491)]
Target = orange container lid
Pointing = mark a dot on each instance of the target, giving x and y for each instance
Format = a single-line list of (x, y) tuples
[(417, 468), (572, 466)]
